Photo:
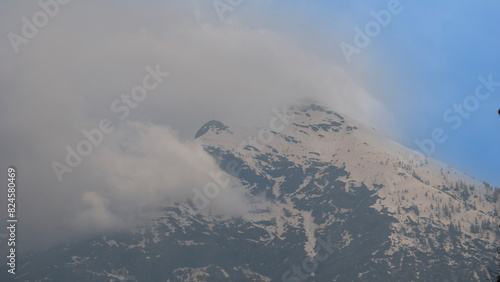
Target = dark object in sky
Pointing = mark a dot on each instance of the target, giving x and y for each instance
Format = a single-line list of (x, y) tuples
[(499, 111)]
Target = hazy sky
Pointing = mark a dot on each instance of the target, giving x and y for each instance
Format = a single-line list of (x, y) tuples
[(66, 76), (424, 61)]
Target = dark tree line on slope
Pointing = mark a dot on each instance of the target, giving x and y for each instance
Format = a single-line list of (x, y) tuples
[(496, 274), (496, 193)]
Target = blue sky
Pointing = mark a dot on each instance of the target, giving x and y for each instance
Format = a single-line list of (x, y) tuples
[(439, 50), (426, 60)]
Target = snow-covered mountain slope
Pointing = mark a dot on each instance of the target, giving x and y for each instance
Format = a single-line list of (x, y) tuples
[(435, 209), (346, 204)]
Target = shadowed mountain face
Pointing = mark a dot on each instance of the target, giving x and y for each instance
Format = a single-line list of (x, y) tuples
[(342, 202)]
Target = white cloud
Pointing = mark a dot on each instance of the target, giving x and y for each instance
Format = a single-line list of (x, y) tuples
[(142, 166), (65, 79)]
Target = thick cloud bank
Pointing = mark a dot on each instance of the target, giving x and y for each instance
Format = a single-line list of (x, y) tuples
[(88, 64)]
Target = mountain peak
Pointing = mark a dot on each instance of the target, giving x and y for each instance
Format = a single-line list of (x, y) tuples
[(339, 192), (213, 125)]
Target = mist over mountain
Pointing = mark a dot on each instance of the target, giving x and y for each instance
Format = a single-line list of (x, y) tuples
[(325, 198)]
